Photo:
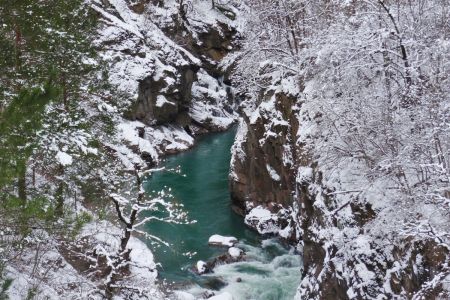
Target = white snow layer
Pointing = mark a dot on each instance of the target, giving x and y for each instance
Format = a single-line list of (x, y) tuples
[(201, 267), (263, 220), (64, 158), (273, 174), (234, 252), (220, 240)]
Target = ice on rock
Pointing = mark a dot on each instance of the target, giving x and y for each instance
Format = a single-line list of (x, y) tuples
[(219, 240)]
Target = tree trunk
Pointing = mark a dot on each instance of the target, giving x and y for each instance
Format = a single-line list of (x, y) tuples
[(59, 209), (17, 43), (22, 185), (64, 91)]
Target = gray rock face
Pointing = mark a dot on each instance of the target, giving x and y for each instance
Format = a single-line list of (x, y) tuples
[(165, 98), (161, 100), (208, 43), (216, 43), (359, 264), (266, 173)]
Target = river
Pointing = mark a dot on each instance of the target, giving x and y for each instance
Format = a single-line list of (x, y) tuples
[(198, 179)]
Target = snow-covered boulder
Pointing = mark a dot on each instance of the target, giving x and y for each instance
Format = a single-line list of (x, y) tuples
[(219, 240), (262, 220), (201, 267), (235, 252)]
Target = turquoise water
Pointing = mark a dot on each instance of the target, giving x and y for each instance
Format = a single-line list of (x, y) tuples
[(200, 182), (198, 179)]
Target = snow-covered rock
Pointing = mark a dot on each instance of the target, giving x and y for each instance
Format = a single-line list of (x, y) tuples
[(219, 240), (235, 252), (263, 220), (201, 267)]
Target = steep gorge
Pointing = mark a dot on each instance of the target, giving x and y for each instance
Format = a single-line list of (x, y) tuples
[(273, 171), (292, 174)]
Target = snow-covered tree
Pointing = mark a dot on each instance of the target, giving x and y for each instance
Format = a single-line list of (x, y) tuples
[(376, 71)]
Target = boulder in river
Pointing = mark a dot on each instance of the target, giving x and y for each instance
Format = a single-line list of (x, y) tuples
[(213, 283), (219, 240), (235, 252), (201, 267)]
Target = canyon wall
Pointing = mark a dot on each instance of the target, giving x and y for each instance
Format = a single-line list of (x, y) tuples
[(350, 243)]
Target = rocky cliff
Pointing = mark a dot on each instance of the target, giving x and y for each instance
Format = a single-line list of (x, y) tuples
[(164, 61), (353, 245), (263, 163), (172, 92)]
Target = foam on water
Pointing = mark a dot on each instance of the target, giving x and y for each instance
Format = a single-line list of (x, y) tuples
[(270, 272)]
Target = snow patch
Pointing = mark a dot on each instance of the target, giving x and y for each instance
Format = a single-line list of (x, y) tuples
[(234, 252), (64, 158), (201, 267), (304, 175), (273, 174), (220, 240), (262, 220), (161, 101)]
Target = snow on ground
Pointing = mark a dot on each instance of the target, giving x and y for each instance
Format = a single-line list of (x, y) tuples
[(64, 158), (42, 270), (157, 141), (143, 271)]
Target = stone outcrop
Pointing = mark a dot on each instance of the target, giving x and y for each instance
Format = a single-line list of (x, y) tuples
[(345, 255), (163, 99), (208, 43), (264, 174), (166, 95), (216, 43)]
